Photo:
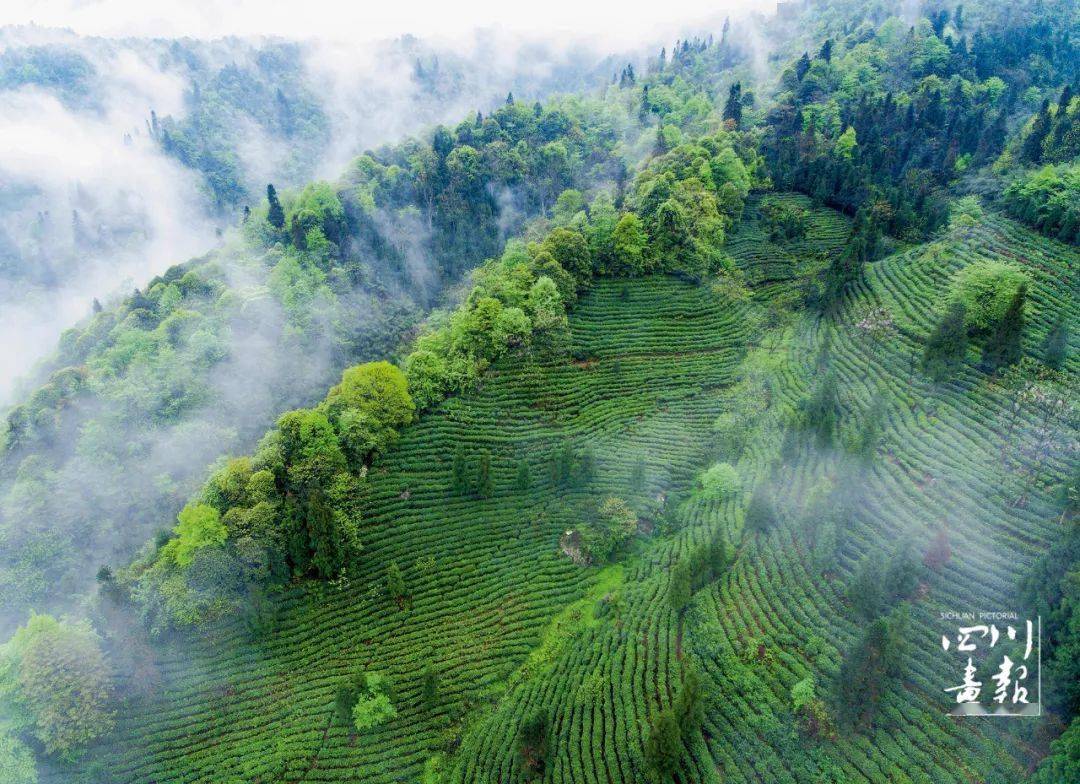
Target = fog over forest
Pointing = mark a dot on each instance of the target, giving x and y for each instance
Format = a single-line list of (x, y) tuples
[(559, 392), (92, 204)]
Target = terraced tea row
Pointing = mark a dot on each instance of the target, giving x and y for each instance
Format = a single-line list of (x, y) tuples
[(511, 625)]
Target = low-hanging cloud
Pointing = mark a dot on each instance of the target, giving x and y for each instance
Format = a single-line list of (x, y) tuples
[(88, 204), (607, 24)]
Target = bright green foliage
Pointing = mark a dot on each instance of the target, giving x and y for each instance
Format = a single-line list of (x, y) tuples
[(568, 206), (629, 247), (551, 328), (720, 482), (207, 355), (985, 289), (370, 405), (614, 524), (297, 514), (198, 526), (845, 144), (686, 199), (317, 207), (811, 710), (503, 594), (570, 250), (1048, 199), (55, 683), (395, 582), (783, 221), (374, 705), (309, 449)]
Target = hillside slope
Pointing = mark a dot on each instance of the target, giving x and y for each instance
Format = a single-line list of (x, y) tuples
[(510, 624)]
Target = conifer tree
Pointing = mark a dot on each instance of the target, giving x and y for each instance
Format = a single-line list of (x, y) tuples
[(802, 66), (522, 481), (733, 107), (821, 409), (869, 667), (870, 433), (484, 487), (637, 475), (275, 215), (865, 592), (689, 703), (460, 476), (395, 582), (329, 551), (1032, 149), (718, 558), (429, 684), (681, 586), (663, 747)]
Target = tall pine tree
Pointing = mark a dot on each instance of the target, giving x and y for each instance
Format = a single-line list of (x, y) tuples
[(275, 215), (733, 107)]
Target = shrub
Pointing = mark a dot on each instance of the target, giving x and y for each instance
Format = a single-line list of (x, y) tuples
[(813, 715), (720, 482), (985, 289), (783, 222), (373, 704)]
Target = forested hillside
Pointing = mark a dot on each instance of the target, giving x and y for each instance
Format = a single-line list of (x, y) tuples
[(687, 411), (124, 156), (143, 396)]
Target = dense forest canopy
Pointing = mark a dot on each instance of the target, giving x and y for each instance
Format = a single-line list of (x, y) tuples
[(633, 433)]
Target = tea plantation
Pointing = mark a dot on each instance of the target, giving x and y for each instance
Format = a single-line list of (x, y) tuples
[(500, 624)]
